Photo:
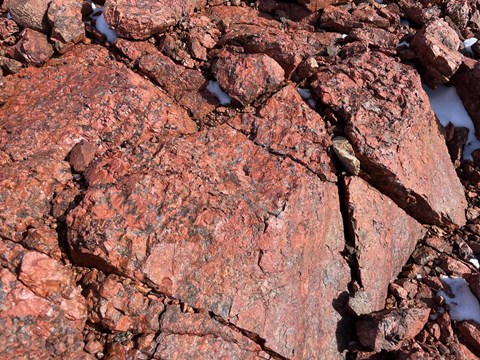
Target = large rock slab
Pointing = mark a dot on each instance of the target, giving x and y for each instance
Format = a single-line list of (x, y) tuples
[(395, 135), (53, 108), (286, 125), (219, 223), (384, 237), (140, 19), (29, 13)]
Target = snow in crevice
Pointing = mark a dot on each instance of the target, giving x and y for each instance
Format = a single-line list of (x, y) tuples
[(463, 304), (404, 22), (101, 25), (306, 94), (404, 43), (215, 89), (468, 44), (448, 107)]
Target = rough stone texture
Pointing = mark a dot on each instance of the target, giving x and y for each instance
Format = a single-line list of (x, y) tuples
[(65, 17), (474, 284), (140, 19), (436, 46), (82, 155), (388, 329), (467, 83), (384, 237), (458, 12), (286, 125), (53, 108), (192, 335), (246, 77), (29, 13), (470, 334), (396, 139), (262, 234), (33, 48), (42, 311), (344, 152), (186, 86)]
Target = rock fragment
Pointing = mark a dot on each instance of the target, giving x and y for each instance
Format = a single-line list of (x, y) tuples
[(30, 13), (65, 17), (34, 48), (344, 151), (82, 155)]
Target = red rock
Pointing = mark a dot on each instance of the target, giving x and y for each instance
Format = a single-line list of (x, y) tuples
[(34, 48), (388, 329), (141, 19), (186, 86), (474, 283), (470, 334), (134, 50), (436, 46), (467, 83), (458, 12), (384, 237), (397, 153), (453, 266), (29, 13), (315, 5), (65, 17), (286, 125), (190, 336), (285, 224), (82, 155), (10, 66), (71, 103), (337, 19), (419, 14), (8, 28), (246, 77), (377, 38)]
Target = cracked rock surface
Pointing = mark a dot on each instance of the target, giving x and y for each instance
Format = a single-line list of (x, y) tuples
[(312, 216)]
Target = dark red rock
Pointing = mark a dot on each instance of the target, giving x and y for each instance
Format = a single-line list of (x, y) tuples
[(246, 77), (82, 155), (29, 13), (8, 30), (286, 125), (458, 12), (10, 66), (384, 237), (34, 48), (377, 38), (240, 217), (134, 50), (186, 86), (470, 334), (65, 17), (141, 19), (315, 5), (467, 84), (436, 46), (474, 283), (71, 102), (337, 19), (388, 329), (419, 14), (453, 266), (386, 120)]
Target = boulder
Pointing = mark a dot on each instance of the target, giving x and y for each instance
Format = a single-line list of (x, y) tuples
[(142, 19), (30, 13), (246, 77), (222, 225), (33, 48), (436, 46), (384, 237), (394, 135), (65, 17)]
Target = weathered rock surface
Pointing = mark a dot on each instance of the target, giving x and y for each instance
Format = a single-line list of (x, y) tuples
[(65, 17), (287, 126), (387, 330), (345, 153), (470, 334), (34, 170), (315, 5), (250, 224), (384, 237), (29, 13), (246, 77), (385, 123), (33, 48), (436, 46), (467, 84), (141, 19)]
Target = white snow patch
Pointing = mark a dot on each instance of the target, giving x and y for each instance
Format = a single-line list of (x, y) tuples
[(468, 44), (102, 25), (475, 263), (312, 103), (463, 305), (448, 107), (379, 1), (216, 90), (404, 43), (9, 16), (404, 22), (418, 277), (305, 93), (344, 36)]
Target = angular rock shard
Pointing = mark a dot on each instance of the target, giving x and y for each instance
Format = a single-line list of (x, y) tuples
[(222, 225), (395, 135), (384, 237)]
